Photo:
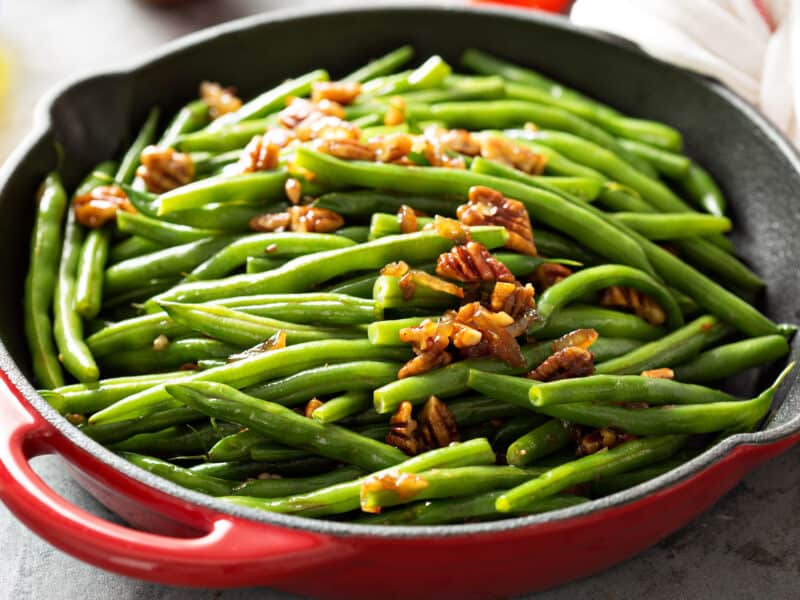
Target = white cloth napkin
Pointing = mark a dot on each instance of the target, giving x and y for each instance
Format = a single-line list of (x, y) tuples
[(753, 46)]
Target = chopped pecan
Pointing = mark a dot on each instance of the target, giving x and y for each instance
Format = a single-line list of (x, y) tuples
[(404, 431), (513, 299), (548, 274), (303, 219), (450, 229), (453, 140), (437, 425), (293, 190), (345, 149), (75, 418), (392, 147), (640, 303), (396, 112), (415, 277), (407, 218), (429, 341), (327, 128), (498, 333), (472, 263), (489, 207), (438, 156), (311, 406), (341, 92), (297, 110), (512, 154), (99, 206), (663, 373), (601, 439), (573, 361), (259, 155), (275, 342), (580, 338), (164, 169), (220, 100), (395, 269)]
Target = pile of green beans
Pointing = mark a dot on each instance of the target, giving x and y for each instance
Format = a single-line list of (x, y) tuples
[(263, 367)]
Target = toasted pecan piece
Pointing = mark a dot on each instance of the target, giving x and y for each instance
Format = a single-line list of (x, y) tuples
[(396, 112), (345, 149), (470, 263), (404, 431), (220, 100), (513, 299), (164, 169), (573, 361), (582, 338), (99, 206), (437, 425), (486, 206), (407, 218), (663, 373), (341, 92), (392, 147), (302, 219), (640, 303), (311, 406), (453, 140), (260, 154), (512, 154), (601, 439), (548, 274)]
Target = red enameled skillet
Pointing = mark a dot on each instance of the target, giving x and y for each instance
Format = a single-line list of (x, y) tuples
[(200, 541)]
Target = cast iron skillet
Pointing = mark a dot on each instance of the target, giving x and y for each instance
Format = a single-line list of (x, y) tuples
[(204, 542)]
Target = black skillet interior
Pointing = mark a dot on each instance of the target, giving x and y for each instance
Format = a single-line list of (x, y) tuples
[(94, 119)]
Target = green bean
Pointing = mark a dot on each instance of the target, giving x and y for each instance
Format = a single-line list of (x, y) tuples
[(237, 446), (175, 354), (666, 163), (67, 325), (251, 188), (210, 163), (387, 333), (674, 225), (682, 419), (128, 303), (383, 224), (269, 101), (626, 457), (344, 497), (428, 75), (703, 191), (237, 471), (89, 276), (585, 188), (549, 437), (356, 233), (449, 380), (624, 389), (131, 248), (224, 139), (121, 430), (724, 361), (607, 323), (593, 279), (501, 114), (515, 428), (277, 488), (608, 348), (40, 282), (464, 510), (242, 329), (161, 232), (343, 406), (286, 426), (442, 483), (576, 221), (253, 370), (272, 452), (190, 118), (169, 262), (305, 272), (273, 245), (458, 87), (82, 398), (620, 198), (388, 293), (260, 264), (346, 376), (672, 349), (388, 63), (605, 486), (710, 258), (649, 132), (361, 286), (552, 245), (182, 476), (364, 203), (127, 166), (177, 441), (223, 216)]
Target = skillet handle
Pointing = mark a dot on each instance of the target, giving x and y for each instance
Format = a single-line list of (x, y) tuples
[(224, 551)]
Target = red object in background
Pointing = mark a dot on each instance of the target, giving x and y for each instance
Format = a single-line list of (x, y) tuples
[(203, 547), (555, 6)]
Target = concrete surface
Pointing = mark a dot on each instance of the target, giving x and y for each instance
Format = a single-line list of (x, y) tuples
[(748, 546)]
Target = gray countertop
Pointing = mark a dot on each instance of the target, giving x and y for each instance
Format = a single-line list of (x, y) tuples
[(748, 546)]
